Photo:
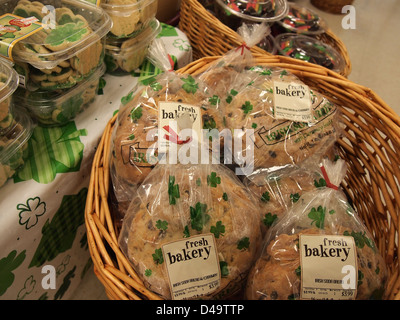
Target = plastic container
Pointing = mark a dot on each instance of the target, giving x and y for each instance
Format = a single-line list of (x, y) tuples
[(129, 17), (8, 84), (13, 144), (302, 20), (234, 13), (268, 44), (309, 49), (55, 108), (60, 55), (125, 55)]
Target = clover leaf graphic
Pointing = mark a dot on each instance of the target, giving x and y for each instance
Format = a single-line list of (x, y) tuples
[(29, 285), (181, 44), (7, 266), (30, 212)]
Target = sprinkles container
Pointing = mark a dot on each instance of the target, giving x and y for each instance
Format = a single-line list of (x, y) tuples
[(235, 12), (309, 49), (302, 20)]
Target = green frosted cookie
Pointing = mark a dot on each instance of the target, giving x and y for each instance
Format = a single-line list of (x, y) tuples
[(63, 36)]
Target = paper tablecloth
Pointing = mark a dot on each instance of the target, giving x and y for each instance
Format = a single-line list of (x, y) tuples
[(43, 246)]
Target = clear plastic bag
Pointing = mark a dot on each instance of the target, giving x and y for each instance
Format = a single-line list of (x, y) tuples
[(134, 147), (277, 191), (279, 271), (177, 202), (279, 119)]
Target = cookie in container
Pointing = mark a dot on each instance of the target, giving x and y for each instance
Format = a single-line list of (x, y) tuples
[(124, 55), (129, 17), (68, 47), (57, 107), (14, 143), (8, 84)]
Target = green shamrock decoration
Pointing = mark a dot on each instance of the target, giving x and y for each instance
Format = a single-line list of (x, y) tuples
[(173, 190), (213, 180), (190, 85), (198, 216), (7, 266), (30, 212), (59, 234), (218, 229)]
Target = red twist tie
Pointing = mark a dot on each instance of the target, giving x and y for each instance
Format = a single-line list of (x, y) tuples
[(329, 184), (242, 46), (171, 62)]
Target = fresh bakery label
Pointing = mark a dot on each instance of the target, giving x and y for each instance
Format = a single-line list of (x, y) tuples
[(292, 101), (192, 266), (13, 29), (323, 115), (179, 124), (328, 267)]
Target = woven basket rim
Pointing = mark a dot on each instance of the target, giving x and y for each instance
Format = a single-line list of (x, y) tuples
[(193, 13), (111, 266)]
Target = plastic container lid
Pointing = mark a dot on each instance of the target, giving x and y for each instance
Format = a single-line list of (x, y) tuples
[(78, 25), (309, 49), (125, 8), (303, 20), (256, 10)]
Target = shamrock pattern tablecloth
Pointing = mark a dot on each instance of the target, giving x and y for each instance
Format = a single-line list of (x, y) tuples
[(43, 246)]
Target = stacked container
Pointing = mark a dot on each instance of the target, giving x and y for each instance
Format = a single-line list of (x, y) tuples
[(134, 28), (15, 125), (63, 60)]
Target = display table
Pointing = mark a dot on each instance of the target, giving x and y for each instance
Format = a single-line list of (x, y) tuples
[(43, 246)]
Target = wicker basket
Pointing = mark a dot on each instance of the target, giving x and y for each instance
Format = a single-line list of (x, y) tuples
[(210, 37), (370, 146), (331, 6)]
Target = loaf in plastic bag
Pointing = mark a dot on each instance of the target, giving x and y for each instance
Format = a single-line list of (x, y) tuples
[(320, 249), (291, 122), (134, 148), (188, 204), (277, 191)]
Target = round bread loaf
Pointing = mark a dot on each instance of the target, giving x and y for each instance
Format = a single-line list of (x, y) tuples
[(179, 201), (278, 272), (248, 102), (134, 141)]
